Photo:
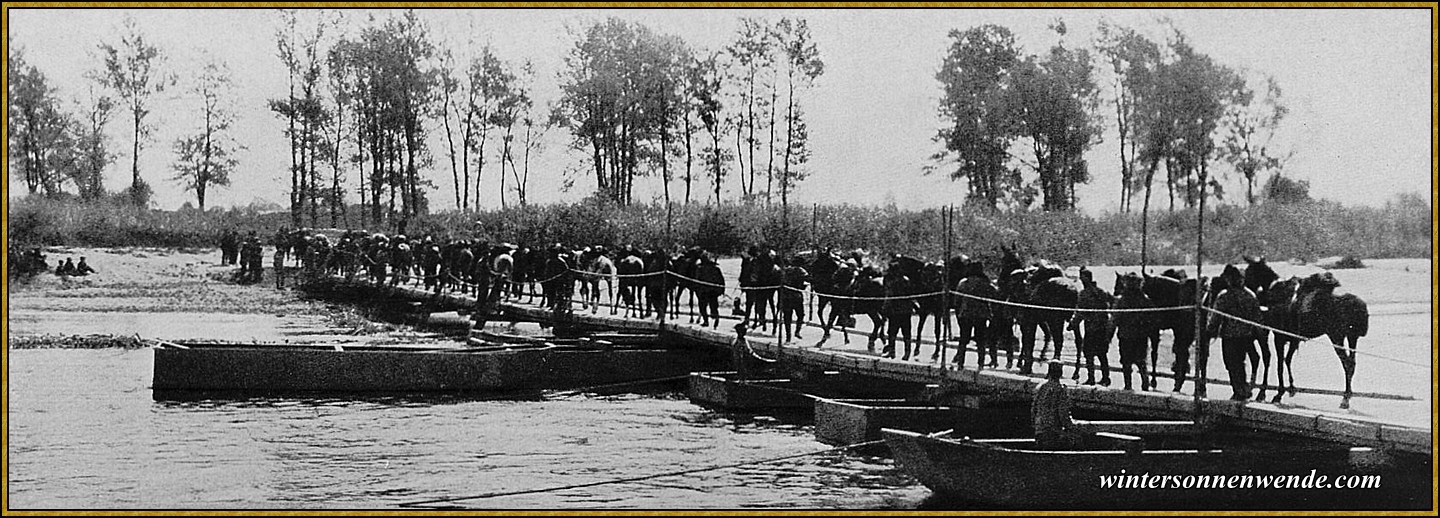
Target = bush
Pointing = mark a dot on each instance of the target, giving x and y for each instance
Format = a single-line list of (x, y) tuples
[(1303, 230)]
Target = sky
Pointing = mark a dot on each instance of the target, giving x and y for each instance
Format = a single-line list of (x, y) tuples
[(1358, 83)]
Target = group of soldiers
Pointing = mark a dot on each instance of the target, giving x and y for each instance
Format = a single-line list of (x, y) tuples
[(25, 262), (247, 252)]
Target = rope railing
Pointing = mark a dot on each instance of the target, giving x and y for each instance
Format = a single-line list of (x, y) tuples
[(1009, 303)]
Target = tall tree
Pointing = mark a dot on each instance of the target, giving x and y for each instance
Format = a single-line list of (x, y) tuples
[(1055, 103), (514, 104), (1250, 127), (975, 74), (41, 142), (392, 66), (707, 78), (802, 66), (1134, 61), (135, 71), (610, 102), (93, 145), (752, 52), (207, 157)]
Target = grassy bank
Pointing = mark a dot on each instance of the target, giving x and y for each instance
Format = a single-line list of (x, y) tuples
[(1305, 231)]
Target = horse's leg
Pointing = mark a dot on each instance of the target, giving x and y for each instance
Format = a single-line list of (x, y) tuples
[(1154, 344), (1263, 345), (1079, 346), (1027, 346), (1293, 345), (1045, 336), (1280, 366), (876, 332), (1346, 352), (1253, 356)]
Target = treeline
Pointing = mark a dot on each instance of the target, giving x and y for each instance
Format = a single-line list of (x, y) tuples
[(1180, 115), (367, 94), (1304, 229)]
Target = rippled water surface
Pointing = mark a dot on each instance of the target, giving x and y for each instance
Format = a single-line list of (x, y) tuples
[(85, 433)]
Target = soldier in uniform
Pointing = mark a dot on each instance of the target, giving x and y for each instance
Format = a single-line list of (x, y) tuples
[(1237, 338)]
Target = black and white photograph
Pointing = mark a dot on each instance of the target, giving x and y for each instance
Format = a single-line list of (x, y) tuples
[(742, 257)]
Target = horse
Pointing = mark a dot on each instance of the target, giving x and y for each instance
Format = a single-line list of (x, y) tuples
[(597, 267), (839, 290), (1046, 285), (822, 267), (930, 280), (1278, 314), (685, 265), (629, 268), (1171, 290), (765, 279), (1278, 303), (1344, 318), (869, 292)]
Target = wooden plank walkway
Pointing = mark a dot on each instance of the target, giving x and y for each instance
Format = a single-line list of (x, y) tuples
[(1333, 425)]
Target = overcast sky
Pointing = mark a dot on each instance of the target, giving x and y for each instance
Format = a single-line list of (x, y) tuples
[(1358, 82)]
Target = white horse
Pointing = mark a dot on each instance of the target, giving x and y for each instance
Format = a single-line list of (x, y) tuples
[(598, 268)]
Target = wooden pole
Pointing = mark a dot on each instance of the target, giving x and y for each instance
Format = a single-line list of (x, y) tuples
[(1199, 357), (944, 315)]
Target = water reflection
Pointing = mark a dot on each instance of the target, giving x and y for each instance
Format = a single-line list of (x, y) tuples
[(85, 433)]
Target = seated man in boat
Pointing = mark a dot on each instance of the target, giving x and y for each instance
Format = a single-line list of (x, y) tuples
[(1054, 428), (744, 357)]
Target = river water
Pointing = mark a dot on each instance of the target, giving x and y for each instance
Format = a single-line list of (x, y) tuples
[(86, 433)]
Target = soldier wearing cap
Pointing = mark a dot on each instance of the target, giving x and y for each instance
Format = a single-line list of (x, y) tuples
[(1237, 338)]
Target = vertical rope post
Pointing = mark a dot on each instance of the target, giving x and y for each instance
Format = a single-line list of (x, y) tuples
[(1196, 357), (945, 221)]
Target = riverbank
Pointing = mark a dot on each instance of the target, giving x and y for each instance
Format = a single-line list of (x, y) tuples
[(177, 294)]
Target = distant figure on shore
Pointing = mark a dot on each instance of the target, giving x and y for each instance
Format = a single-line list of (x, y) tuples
[(66, 268), (1050, 411), (83, 269), (229, 247)]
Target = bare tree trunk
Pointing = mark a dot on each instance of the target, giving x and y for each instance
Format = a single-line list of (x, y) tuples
[(770, 166)]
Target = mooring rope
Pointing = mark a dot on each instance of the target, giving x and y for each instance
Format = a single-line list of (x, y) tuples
[(636, 479)]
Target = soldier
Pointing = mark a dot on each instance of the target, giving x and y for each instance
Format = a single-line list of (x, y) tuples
[(792, 298), (83, 269), (65, 268), (227, 247), (714, 285), (1237, 338), (1097, 330), (502, 269), (973, 315)]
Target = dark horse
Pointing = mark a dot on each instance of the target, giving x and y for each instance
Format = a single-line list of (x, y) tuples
[(1170, 289), (822, 267), (1048, 287), (631, 269), (1277, 300), (1344, 318), (764, 280)]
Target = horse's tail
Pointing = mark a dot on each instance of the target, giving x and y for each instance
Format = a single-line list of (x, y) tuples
[(1354, 311)]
